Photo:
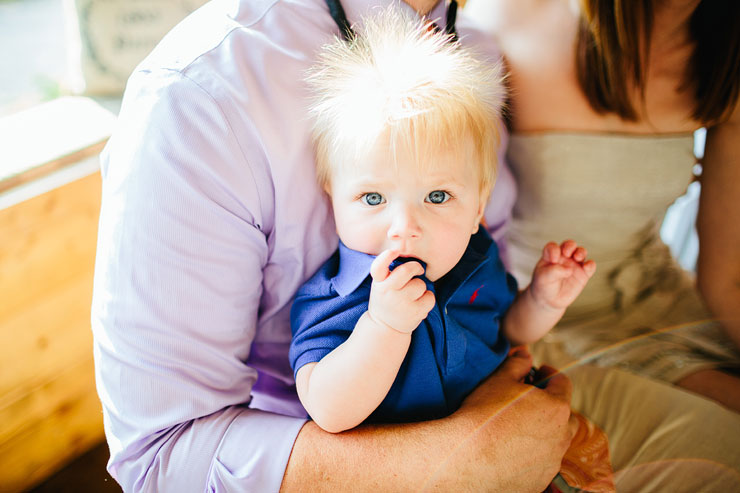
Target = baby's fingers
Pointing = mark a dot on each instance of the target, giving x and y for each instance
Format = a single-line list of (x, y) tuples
[(568, 247), (380, 268), (551, 253), (414, 289), (426, 303), (589, 267), (580, 254), (581, 273), (554, 272), (402, 274)]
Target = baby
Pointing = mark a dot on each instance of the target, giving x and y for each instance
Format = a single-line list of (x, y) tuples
[(415, 308)]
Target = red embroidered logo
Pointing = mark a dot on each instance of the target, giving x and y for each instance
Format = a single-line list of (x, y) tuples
[(474, 295)]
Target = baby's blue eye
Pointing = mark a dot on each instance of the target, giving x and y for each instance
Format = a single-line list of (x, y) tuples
[(438, 197), (372, 198)]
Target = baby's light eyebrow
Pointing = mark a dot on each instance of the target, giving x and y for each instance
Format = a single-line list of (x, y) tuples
[(444, 180), (368, 185)]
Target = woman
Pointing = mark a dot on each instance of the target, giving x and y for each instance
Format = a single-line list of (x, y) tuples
[(607, 94)]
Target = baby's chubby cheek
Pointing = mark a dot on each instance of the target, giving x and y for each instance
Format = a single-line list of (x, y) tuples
[(445, 256), (358, 236)]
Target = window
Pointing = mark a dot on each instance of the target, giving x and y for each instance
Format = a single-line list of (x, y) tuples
[(33, 57)]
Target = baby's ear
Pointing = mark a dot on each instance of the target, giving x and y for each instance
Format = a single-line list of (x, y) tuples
[(479, 220), (482, 203)]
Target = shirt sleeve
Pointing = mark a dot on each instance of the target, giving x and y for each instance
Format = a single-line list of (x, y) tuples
[(498, 211), (178, 282), (321, 320)]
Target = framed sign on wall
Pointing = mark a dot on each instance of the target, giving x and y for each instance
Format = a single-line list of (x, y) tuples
[(115, 35)]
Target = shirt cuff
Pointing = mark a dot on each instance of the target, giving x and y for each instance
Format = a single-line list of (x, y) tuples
[(254, 452)]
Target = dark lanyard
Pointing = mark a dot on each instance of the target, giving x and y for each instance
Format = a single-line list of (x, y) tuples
[(340, 18)]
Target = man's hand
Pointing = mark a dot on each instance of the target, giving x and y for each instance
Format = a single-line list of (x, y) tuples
[(398, 299), (521, 432), (561, 274), (507, 436)]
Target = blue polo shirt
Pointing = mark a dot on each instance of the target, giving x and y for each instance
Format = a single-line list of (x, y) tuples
[(458, 345)]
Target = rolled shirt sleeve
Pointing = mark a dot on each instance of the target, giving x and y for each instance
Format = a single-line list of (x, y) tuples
[(498, 210)]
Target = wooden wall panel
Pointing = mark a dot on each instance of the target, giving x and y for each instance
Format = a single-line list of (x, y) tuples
[(47, 240), (61, 420), (49, 410)]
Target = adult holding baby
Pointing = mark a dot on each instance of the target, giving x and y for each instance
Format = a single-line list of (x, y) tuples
[(605, 97), (211, 219)]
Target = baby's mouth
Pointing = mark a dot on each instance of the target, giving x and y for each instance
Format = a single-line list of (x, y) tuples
[(402, 260)]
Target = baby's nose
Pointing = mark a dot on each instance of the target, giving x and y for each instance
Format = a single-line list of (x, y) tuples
[(404, 225)]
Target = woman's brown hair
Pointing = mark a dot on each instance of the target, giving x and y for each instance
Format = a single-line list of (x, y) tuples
[(612, 53)]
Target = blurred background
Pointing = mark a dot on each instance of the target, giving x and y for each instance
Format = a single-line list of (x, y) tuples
[(63, 67), (33, 55)]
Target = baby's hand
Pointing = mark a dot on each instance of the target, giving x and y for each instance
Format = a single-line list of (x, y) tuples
[(561, 274), (397, 298)]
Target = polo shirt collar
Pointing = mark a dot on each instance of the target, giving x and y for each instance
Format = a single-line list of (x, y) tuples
[(354, 268)]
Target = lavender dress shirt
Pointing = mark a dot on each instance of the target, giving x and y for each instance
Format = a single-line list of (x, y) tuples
[(210, 222)]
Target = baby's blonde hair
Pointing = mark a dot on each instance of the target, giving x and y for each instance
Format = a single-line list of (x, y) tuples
[(400, 81)]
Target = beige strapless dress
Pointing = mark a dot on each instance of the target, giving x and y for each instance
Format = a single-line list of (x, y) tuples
[(640, 323), (640, 312)]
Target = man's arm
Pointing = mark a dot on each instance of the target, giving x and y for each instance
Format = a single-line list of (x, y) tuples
[(507, 436)]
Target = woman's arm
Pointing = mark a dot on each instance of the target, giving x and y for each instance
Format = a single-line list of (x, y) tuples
[(718, 224), (507, 436)]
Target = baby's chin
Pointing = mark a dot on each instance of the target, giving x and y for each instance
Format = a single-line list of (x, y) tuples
[(433, 276), (434, 273)]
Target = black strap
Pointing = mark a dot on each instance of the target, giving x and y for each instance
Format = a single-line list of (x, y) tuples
[(340, 18), (451, 18)]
